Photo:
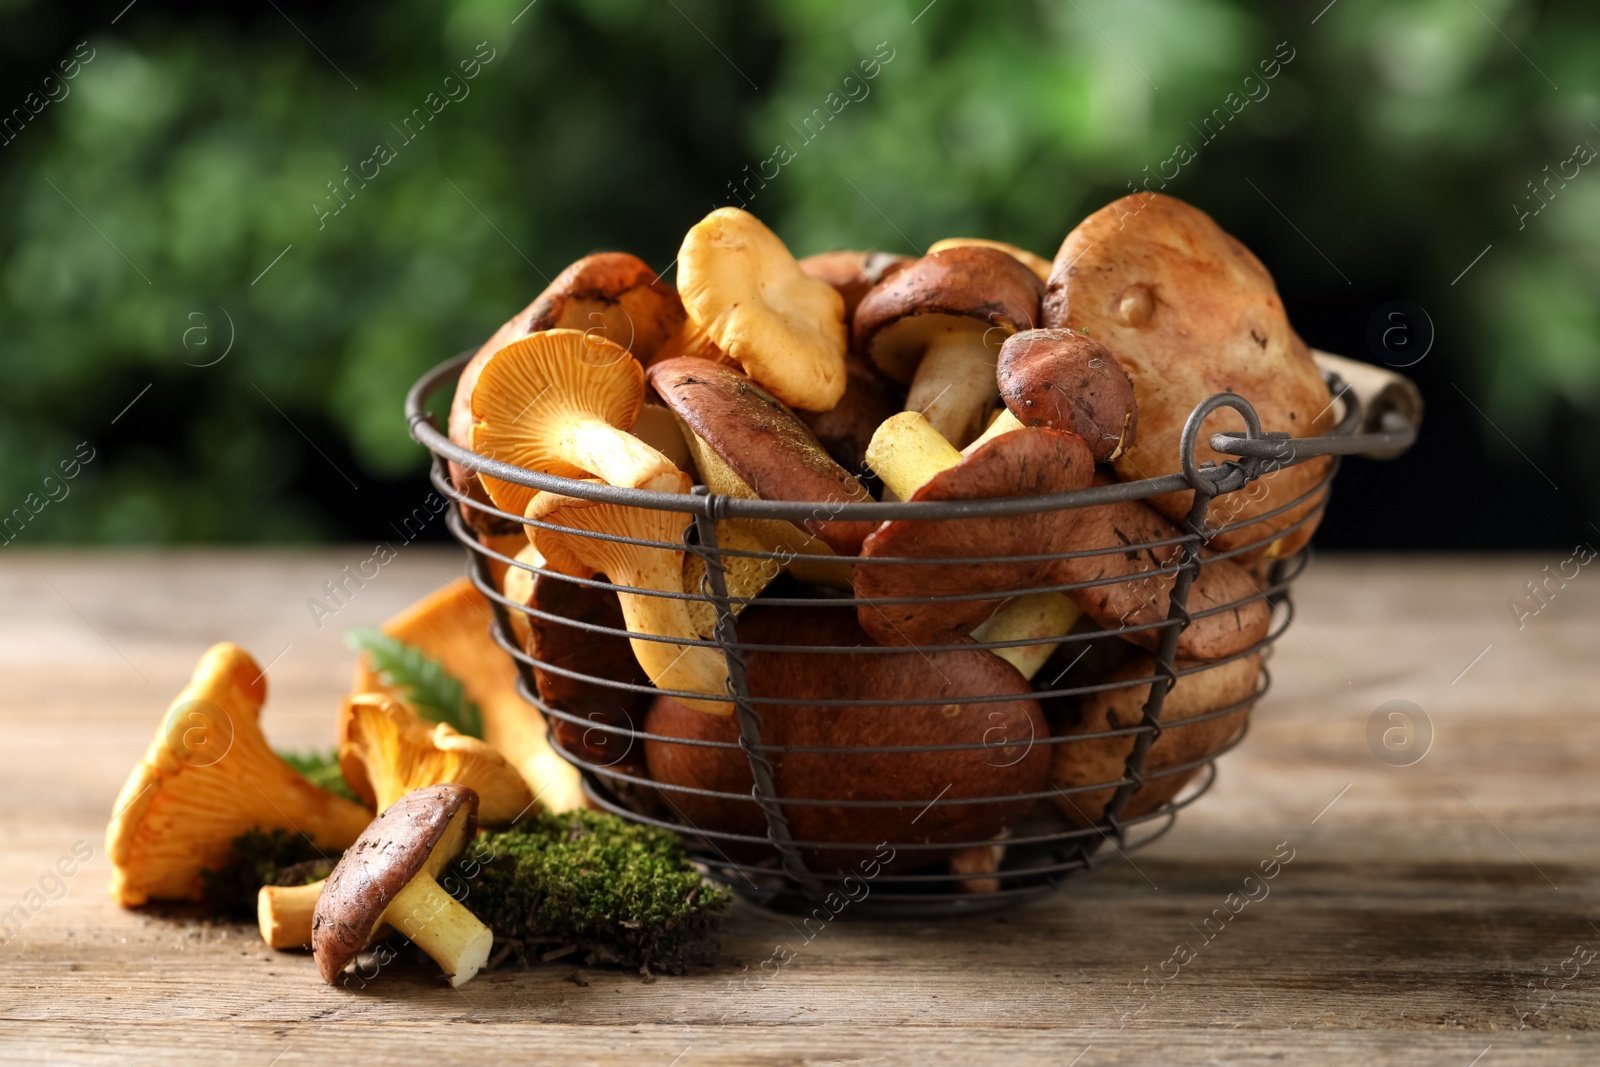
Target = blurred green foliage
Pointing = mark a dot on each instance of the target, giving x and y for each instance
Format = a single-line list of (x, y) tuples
[(170, 203)]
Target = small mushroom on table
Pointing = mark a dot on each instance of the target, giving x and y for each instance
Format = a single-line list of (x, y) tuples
[(389, 878), (749, 301), (208, 776), (938, 325), (561, 402), (610, 294)]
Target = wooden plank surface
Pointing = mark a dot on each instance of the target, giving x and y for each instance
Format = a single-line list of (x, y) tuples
[(1441, 913)]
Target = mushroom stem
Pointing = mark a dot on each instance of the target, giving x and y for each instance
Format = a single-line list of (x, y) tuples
[(906, 451), (615, 456), (1043, 615), (955, 385), (695, 668), (442, 927), (1002, 423), (284, 914)]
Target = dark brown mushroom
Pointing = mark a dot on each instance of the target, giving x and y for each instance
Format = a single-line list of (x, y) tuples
[(938, 324), (743, 437), (1027, 462), (388, 878), (1001, 761), (1069, 381), (612, 294), (853, 273)]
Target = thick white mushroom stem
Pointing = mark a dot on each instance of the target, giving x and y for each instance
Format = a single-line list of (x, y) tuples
[(442, 927), (284, 914), (906, 452), (955, 386), (691, 668)]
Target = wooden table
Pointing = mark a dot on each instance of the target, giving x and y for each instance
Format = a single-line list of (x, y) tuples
[(1442, 913)]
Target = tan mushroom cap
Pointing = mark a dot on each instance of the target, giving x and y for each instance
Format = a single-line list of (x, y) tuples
[(763, 443), (1189, 312), (1036, 263), (748, 296), (386, 751), (208, 776), (613, 295), (572, 549), (561, 402), (451, 625)]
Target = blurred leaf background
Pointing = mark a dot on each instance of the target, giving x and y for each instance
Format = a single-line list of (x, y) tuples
[(171, 198)]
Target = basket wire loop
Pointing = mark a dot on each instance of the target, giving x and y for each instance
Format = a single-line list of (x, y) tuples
[(713, 583)]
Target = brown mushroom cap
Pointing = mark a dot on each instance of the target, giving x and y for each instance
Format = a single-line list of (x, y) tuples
[(614, 294), (1189, 312), (939, 292), (853, 273), (1026, 462), (1034, 262), (1075, 764), (938, 679), (418, 834), (1071, 382), (762, 442)]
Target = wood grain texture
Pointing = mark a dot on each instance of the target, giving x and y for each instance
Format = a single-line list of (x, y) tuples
[(1417, 911)]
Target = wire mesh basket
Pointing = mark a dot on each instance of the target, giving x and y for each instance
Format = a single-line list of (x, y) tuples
[(904, 780)]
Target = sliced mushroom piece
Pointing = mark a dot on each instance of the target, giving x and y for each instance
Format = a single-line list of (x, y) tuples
[(1069, 381), (1024, 462), (938, 325), (1000, 763), (208, 776), (1079, 763), (853, 273), (573, 549), (389, 878), (561, 402), (1189, 312), (748, 299), (387, 751), (1036, 263), (610, 294)]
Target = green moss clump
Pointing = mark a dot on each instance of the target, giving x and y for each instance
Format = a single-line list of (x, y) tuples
[(617, 892), (263, 857)]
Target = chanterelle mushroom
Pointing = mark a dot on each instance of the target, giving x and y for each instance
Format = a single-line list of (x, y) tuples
[(612, 294), (561, 402), (1189, 312), (209, 776), (746, 296), (657, 622), (388, 878), (938, 324), (386, 751)]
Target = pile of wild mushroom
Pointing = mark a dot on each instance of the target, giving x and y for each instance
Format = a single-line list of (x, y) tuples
[(977, 371)]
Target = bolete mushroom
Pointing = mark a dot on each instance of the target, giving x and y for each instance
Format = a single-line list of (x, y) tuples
[(1189, 312), (747, 298), (451, 626), (610, 294), (938, 325), (1036, 263), (1071, 382), (1199, 716), (561, 402), (658, 617), (1105, 550), (209, 776), (999, 761), (853, 273), (747, 444), (389, 878)]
